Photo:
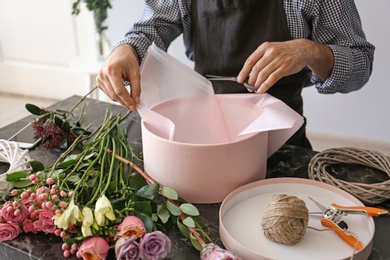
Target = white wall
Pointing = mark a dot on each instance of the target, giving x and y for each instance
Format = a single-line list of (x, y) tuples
[(363, 114), (360, 117), (45, 51)]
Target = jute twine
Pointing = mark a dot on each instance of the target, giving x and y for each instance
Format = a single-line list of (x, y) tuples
[(285, 219), (374, 193)]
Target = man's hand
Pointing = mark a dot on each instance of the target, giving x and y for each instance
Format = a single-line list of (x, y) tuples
[(273, 60), (122, 64)]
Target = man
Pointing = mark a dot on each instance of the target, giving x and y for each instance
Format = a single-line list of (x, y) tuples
[(278, 46)]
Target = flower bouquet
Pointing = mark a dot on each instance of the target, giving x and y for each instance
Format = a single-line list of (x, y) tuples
[(96, 197)]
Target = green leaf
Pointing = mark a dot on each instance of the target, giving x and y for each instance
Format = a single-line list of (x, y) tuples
[(92, 182), (58, 121), (33, 109), (163, 213), (195, 242), (148, 191), (148, 222), (65, 164), (137, 181), (89, 156), (80, 131), (23, 183), (189, 222), (169, 193), (183, 229), (189, 209), (74, 179), (37, 166), (173, 209), (144, 207), (66, 126), (11, 177), (64, 144)]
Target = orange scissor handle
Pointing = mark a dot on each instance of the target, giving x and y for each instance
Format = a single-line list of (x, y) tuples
[(371, 211), (350, 239)]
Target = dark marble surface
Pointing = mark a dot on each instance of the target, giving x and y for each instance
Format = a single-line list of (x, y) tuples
[(288, 161)]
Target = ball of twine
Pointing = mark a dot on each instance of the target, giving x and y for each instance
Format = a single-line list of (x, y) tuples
[(285, 219), (374, 193)]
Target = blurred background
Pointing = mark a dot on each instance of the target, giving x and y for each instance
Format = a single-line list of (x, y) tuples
[(48, 54)]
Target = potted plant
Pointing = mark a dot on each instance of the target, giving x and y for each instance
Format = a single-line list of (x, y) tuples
[(99, 9)]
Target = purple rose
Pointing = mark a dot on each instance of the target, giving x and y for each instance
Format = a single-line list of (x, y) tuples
[(155, 245), (214, 252), (127, 248)]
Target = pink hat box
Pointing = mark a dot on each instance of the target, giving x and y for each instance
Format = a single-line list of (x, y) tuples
[(201, 144), (202, 172)]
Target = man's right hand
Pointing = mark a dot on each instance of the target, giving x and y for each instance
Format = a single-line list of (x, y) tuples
[(122, 64)]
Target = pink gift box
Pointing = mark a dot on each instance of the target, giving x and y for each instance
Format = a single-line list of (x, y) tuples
[(201, 144)]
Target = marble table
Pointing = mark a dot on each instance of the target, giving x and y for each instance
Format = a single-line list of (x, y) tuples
[(288, 161)]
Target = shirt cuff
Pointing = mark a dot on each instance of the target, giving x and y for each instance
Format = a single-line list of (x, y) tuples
[(343, 65), (140, 44)]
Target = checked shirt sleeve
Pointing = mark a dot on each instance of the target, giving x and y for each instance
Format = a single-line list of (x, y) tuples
[(160, 23), (337, 24)]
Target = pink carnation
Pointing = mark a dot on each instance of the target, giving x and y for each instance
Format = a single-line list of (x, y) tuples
[(9, 231)]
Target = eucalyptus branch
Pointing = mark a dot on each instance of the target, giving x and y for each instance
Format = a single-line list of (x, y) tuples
[(146, 176)]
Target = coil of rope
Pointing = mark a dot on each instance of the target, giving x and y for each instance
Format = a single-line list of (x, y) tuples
[(373, 193)]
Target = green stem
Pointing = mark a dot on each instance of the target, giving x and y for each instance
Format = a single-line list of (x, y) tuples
[(78, 140), (101, 176), (111, 168)]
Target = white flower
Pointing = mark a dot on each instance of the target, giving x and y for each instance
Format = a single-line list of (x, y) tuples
[(103, 210), (87, 222), (70, 216)]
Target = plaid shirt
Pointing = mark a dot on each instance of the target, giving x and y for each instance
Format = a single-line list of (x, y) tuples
[(335, 23)]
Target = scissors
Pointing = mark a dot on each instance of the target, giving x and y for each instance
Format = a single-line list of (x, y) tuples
[(332, 218), (224, 78)]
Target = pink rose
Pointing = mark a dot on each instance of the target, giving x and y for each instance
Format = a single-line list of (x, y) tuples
[(214, 252), (45, 222), (94, 248), (11, 216), (127, 248), (131, 226), (155, 245), (28, 226), (9, 231)]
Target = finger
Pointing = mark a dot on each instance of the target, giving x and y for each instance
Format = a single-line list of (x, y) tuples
[(270, 81), (261, 72), (135, 85), (104, 84), (120, 92), (250, 62)]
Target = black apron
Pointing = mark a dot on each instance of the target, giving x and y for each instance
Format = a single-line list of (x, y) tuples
[(227, 32)]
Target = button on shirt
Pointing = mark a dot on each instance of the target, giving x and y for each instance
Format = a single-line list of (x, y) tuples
[(335, 23)]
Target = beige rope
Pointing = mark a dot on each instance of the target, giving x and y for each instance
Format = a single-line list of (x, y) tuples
[(374, 193), (285, 219)]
